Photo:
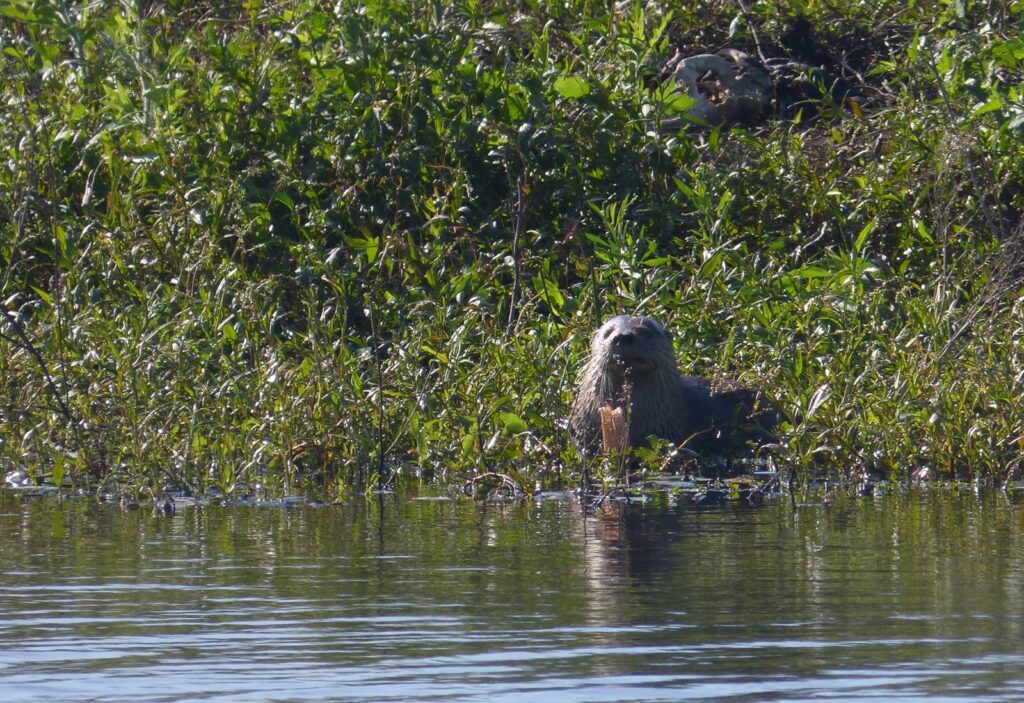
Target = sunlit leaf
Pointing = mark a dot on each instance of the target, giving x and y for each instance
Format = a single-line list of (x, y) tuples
[(571, 87), (513, 423)]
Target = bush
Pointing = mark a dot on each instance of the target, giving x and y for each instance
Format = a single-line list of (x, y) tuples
[(305, 246)]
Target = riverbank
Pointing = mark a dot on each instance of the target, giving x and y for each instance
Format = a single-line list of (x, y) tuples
[(319, 248)]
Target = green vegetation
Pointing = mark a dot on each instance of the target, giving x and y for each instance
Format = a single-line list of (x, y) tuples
[(308, 244)]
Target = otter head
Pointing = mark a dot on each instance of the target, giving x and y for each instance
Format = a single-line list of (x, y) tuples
[(632, 368), (632, 347)]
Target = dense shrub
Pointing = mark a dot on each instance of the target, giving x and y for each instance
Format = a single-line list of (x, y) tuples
[(303, 245)]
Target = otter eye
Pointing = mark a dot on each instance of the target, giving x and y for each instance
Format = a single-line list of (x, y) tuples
[(608, 332)]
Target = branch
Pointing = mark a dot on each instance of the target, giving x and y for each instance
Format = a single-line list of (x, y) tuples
[(25, 343)]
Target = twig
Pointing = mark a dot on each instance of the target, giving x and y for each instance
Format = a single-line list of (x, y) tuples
[(584, 479), (608, 494), (792, 487), (25, 343), (513, 303), (765, 486), (992, 220), (504, 481), (380, 395), (994, 225), (480, 438), (753, 31)]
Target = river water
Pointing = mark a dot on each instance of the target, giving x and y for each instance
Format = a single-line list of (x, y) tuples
[(902, 597)]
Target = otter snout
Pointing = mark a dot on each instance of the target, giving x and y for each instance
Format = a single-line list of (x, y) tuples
[(627, 351), (632, 343), (624, 341)]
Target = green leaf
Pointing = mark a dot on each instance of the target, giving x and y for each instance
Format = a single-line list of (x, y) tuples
[(862, 237), (812, 272), (439, 355), (517, 102), (227, 329), (818, 398), (21, 11), (994, 103), (469, 442), (58, 469), (922, 230), (571, 87), (285, 200), (945, 62), (685, 189), (1008, 54), (46, 297), (512, 422), (549, 291), (676, 101)]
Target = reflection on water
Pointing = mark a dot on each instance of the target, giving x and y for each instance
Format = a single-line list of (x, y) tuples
[(908, 597)]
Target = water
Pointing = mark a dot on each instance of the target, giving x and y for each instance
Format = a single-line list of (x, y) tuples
[(899, 598)]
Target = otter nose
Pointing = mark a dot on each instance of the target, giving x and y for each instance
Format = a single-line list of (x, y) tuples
[(625, 338)]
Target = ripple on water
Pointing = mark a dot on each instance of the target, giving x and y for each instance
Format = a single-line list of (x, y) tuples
[(455, 601)]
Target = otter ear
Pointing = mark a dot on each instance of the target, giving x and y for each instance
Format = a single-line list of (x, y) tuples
[(608, 327), (656, 327)]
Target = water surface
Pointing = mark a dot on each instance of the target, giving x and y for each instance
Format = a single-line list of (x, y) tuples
[(908, 597)]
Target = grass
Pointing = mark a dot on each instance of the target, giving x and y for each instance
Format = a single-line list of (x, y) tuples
[(316, 247)]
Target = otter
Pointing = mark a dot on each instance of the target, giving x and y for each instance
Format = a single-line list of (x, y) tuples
[(632, 369)]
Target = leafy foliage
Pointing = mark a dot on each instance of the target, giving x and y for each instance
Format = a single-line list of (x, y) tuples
[(305, 245)]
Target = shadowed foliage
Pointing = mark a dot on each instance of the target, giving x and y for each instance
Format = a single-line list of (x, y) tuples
[(306, 244)]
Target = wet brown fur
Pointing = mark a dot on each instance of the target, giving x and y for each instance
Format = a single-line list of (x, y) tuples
[(632, 366)]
